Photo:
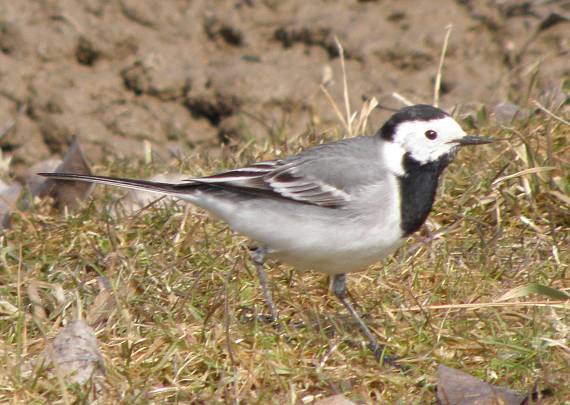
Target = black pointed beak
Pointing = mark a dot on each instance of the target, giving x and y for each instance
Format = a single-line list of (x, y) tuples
[(473, 140)]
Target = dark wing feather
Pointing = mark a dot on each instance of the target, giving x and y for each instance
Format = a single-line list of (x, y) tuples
[(290, 182), (278, 178)]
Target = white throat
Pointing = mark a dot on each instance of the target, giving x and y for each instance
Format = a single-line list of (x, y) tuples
[(393, 157)]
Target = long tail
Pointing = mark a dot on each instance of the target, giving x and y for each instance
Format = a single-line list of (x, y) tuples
[(157, 187)]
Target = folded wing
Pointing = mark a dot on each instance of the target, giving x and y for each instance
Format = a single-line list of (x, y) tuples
[(323, 176)]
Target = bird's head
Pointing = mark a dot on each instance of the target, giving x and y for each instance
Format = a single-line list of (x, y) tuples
[(427, 133)]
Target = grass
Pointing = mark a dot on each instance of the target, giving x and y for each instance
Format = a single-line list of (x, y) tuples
[(177, 322)]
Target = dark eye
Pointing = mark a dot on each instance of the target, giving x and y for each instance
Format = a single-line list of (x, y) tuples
[(430, 134)]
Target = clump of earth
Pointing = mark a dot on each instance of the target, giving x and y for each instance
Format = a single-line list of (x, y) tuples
[(197, 73)]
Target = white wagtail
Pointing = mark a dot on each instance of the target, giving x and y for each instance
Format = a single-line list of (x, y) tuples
[(336, 208)]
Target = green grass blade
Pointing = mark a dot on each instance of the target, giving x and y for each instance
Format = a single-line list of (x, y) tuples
[(535, 288)]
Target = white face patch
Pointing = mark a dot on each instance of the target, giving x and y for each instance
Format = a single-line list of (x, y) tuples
[(424, 146)]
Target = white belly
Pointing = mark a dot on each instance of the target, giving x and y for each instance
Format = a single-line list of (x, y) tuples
[(342, 255), (330, 241)]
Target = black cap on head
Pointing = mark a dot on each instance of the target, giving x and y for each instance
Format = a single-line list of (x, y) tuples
[(418, 112)]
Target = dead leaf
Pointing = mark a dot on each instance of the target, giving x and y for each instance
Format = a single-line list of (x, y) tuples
[(67, 193), (75, 354), (138, 199), (506, 113), (34, 181), (335, 400), (9, 195), (456, 387)]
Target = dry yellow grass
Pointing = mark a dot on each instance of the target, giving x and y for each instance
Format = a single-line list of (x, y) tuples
[(177, 321)]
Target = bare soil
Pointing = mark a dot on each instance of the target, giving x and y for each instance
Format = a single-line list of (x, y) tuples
[(198, 73)]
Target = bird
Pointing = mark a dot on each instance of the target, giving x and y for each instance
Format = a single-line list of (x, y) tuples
[(335, 208)]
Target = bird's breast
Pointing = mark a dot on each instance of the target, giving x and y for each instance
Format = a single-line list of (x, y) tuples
[(417, 191)]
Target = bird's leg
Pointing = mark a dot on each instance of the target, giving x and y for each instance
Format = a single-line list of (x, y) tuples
[(258, 257), (339, 289)]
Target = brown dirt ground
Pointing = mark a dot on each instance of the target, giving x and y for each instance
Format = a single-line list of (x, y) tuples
[(195, 73)]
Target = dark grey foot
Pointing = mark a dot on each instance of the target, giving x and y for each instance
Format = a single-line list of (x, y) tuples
[(258, 257), (339, 289)]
